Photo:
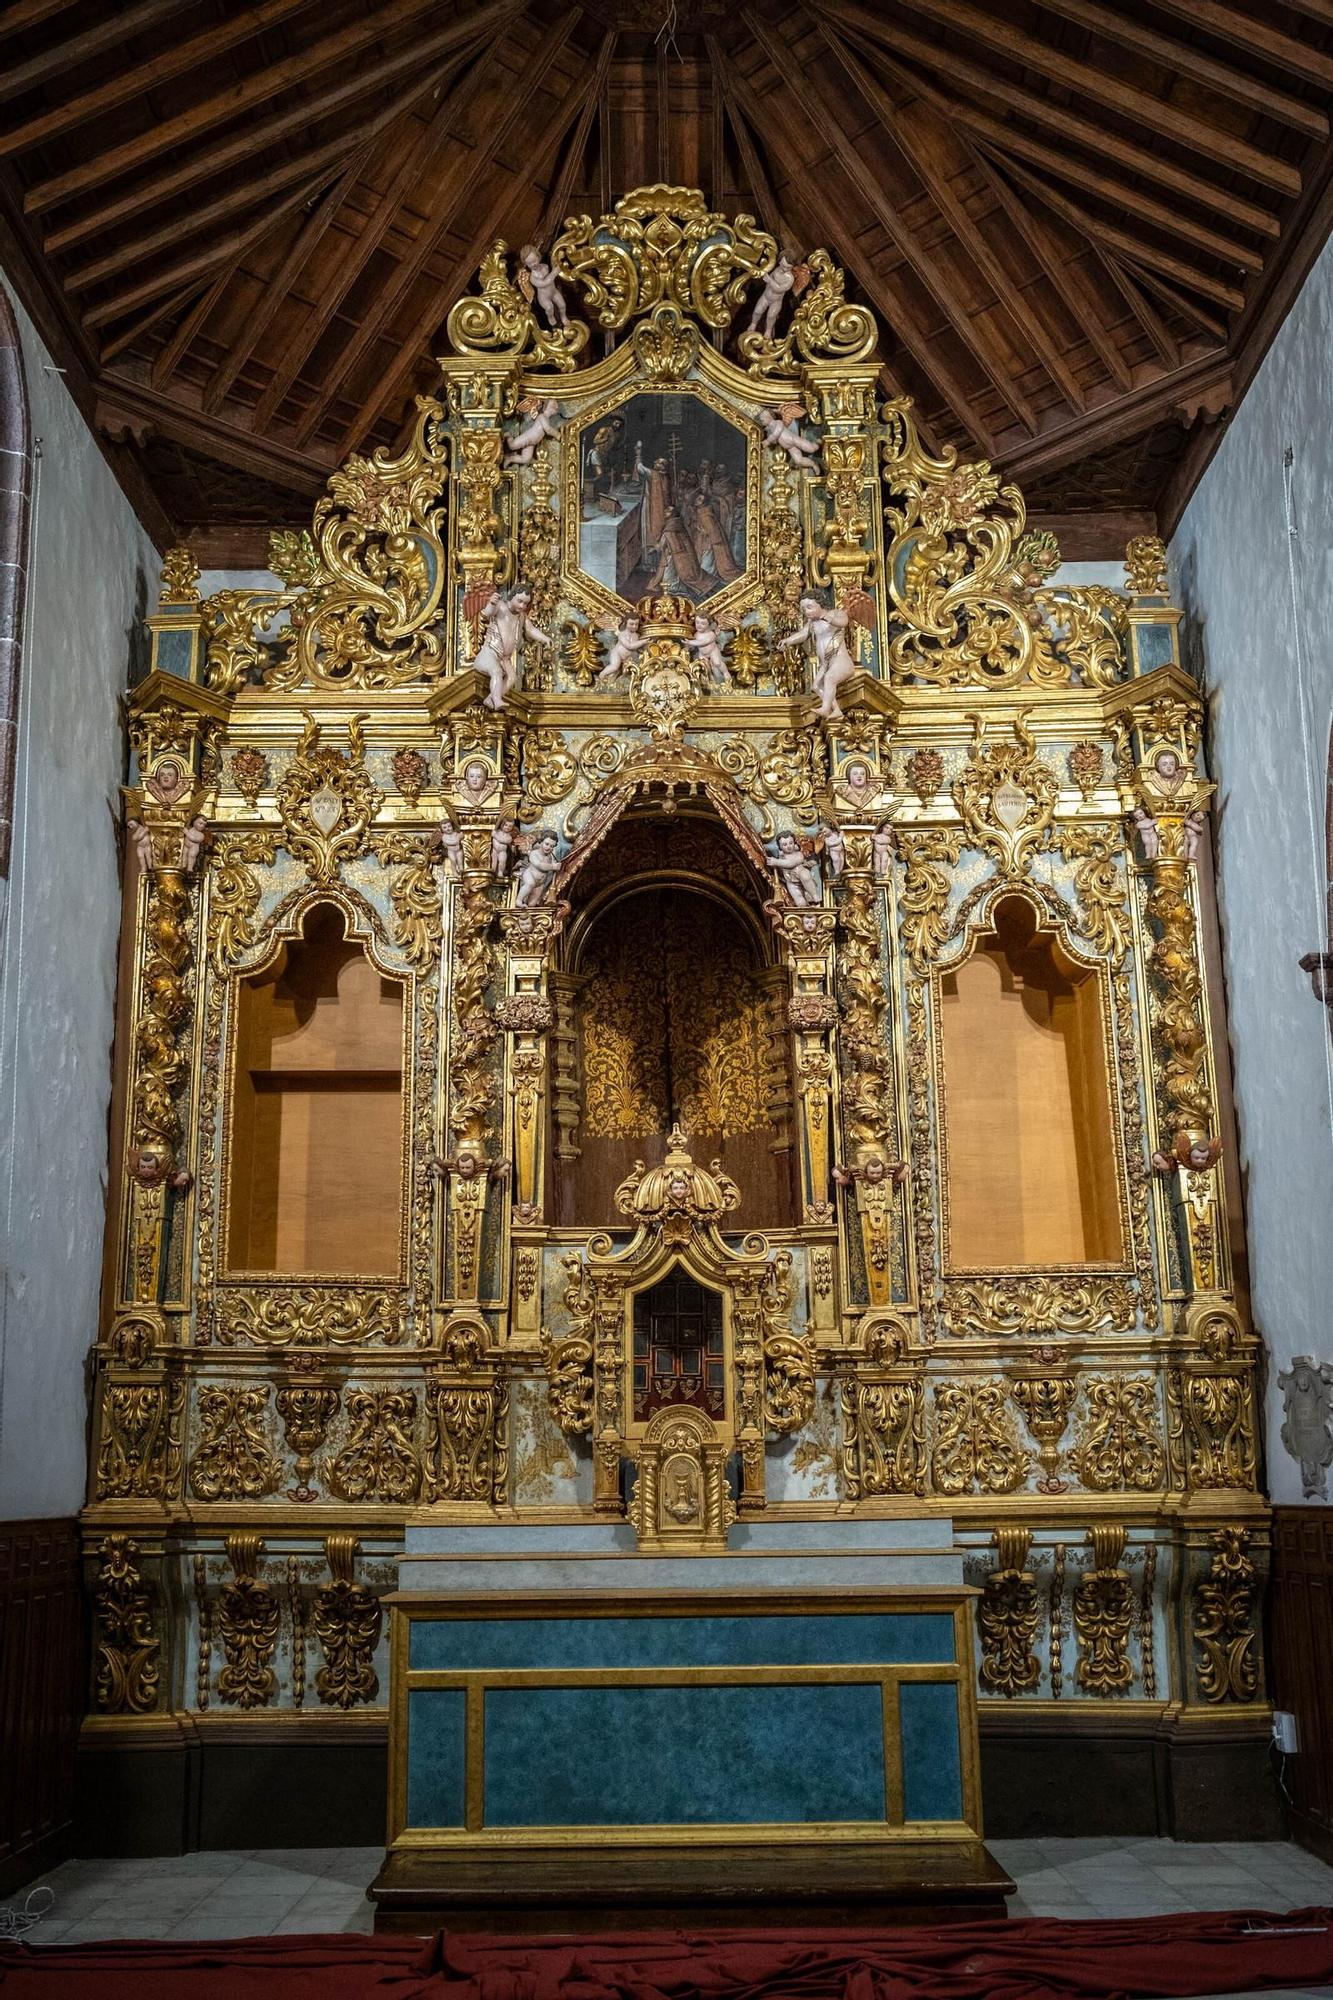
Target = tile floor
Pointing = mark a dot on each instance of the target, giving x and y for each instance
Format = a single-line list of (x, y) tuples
[(213, 1895)]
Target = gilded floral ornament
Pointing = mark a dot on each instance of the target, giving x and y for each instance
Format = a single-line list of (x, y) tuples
[(501, 320), (127, 1667), (1103, 1612), (180, 577), (1099, 885), (1145, 566), (1224, 1628), (1007, 1618)]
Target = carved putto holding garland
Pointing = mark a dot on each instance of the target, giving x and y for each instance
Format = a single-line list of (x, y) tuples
[(672, 945)]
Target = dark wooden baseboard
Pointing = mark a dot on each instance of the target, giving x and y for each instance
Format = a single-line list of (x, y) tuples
[(42, 1689), (765, 1887), (1300, 1648)]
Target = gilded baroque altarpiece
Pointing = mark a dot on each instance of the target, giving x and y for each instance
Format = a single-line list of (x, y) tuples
[(667, 738)]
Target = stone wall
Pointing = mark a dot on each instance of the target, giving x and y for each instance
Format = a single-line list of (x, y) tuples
[(92, 577), (1248, 588)]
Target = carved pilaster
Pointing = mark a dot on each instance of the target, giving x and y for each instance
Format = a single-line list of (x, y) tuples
[(884, 1415)]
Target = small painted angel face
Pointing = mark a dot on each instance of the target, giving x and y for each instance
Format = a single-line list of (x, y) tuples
[(701, 624), (788, 844), (1200, 1155), (547, 843), (858, 777), (874, 1171), (521, 599), (476, 778), (469, 1166), (1167, 765), (811, 606), (678, 1187)]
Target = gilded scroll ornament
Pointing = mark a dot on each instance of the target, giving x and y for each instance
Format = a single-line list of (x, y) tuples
[(868, 1078), (678, 1197), (1098, 884), (472, 1084), (1119, 1448), (1224, 1629), (884, 1416), (1217, 1418), (1007, 1618), (416, 896), (127, 1667), (346, 1620), (1103, 1614), (662, 246), (467, 1412), (789, 1362), (247, 1619), (309, 1315), (378, 1460), (234, 895), (327, 802), (501, 320), (234, 1460), (1038, 1305), (975, 1446), (924, 895), (1006, 798)]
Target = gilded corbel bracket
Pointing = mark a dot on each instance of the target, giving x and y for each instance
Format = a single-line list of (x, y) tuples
[(466, 1460), (883, 1393)]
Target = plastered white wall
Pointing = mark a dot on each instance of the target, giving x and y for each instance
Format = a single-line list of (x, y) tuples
[(92, 576), (1237, 571)]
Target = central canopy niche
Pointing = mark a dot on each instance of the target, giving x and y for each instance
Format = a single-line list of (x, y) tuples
[(676, 1009)]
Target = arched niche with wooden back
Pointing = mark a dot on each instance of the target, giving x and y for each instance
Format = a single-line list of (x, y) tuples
[(317, 1142), (1031, 1150)]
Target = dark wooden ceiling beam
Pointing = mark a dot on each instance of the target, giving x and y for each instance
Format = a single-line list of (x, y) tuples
[(1009, 136), (890, 305), (930, 272), (1149, 319), (170, 355), (461, 180), (216, 249), (1050, 117), (1117, 25), (1063, 274), (116, 27), (1246, 28), (1115, 422), (1163, 120), (135, 329), (172, 59), (1181, 302), (562, 187), (933, 176), (25, 14), (124, 403), (277, 288), (247, 145), (492, 224), (272, 80), (1100, 233), (372, 232)]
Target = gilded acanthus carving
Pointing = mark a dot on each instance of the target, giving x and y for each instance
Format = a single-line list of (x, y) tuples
[(789, 1366), (327, 802), (1225, 1635), (1038, 1305), (884, 1416), (416, 896), (1119, 1448), (975, 1447), (1045, 1400), (247, 1622), (127, 1668), (923, 897), (663, 246), (1103, 1614), (1006, 798), (467, 1397), (234, 1460), (346, 1621), (139, 1457), (308, 1315), (502, 320), (1007, 1618), (306, 1406), (1098, 884), (378, 1461)]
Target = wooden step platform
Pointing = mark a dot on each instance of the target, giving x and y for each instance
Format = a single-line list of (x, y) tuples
[(764, 1887)]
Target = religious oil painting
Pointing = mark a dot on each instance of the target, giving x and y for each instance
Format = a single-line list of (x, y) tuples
[(662, 501)]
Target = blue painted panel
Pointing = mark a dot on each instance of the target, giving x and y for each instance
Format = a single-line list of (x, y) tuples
[(683, 1756), (174, 653), (932, 1771), (1152, 646), (436, 1743), (825, 1639)]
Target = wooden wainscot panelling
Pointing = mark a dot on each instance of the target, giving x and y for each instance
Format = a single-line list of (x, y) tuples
[(1301, 1641), (41, 1693)]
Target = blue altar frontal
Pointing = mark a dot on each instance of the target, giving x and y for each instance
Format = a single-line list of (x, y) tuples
[(552, 1685)]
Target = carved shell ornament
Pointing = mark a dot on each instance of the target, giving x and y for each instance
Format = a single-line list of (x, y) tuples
[(679, 1196)]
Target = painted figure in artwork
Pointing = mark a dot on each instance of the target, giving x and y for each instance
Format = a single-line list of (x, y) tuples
[(507, 622), (797, 870), (707, 643), (541, 865), (538, 280), (678, 569), (780, 428), (656, 502), (825, 628), (628, 640), (540, 425)]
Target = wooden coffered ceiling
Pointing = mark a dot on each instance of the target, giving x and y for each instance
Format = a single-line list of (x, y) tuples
[(1079, 221)]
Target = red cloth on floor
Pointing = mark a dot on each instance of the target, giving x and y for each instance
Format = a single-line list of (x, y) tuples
[(1040, 1959), (280, 1968)]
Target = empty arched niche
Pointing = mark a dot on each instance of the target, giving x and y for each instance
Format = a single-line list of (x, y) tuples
[(1029, 1148), (317, 1138)]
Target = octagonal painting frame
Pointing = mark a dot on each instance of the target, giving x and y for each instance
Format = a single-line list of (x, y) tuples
[(605, 568)]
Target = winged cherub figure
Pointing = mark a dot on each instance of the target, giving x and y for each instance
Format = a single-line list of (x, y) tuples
[(780, 428), (507, 622), (540, 866), (520, 447), (629, 640), (536, 279), (783, 278), (707, 643), (826, 630), (797, 870)]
